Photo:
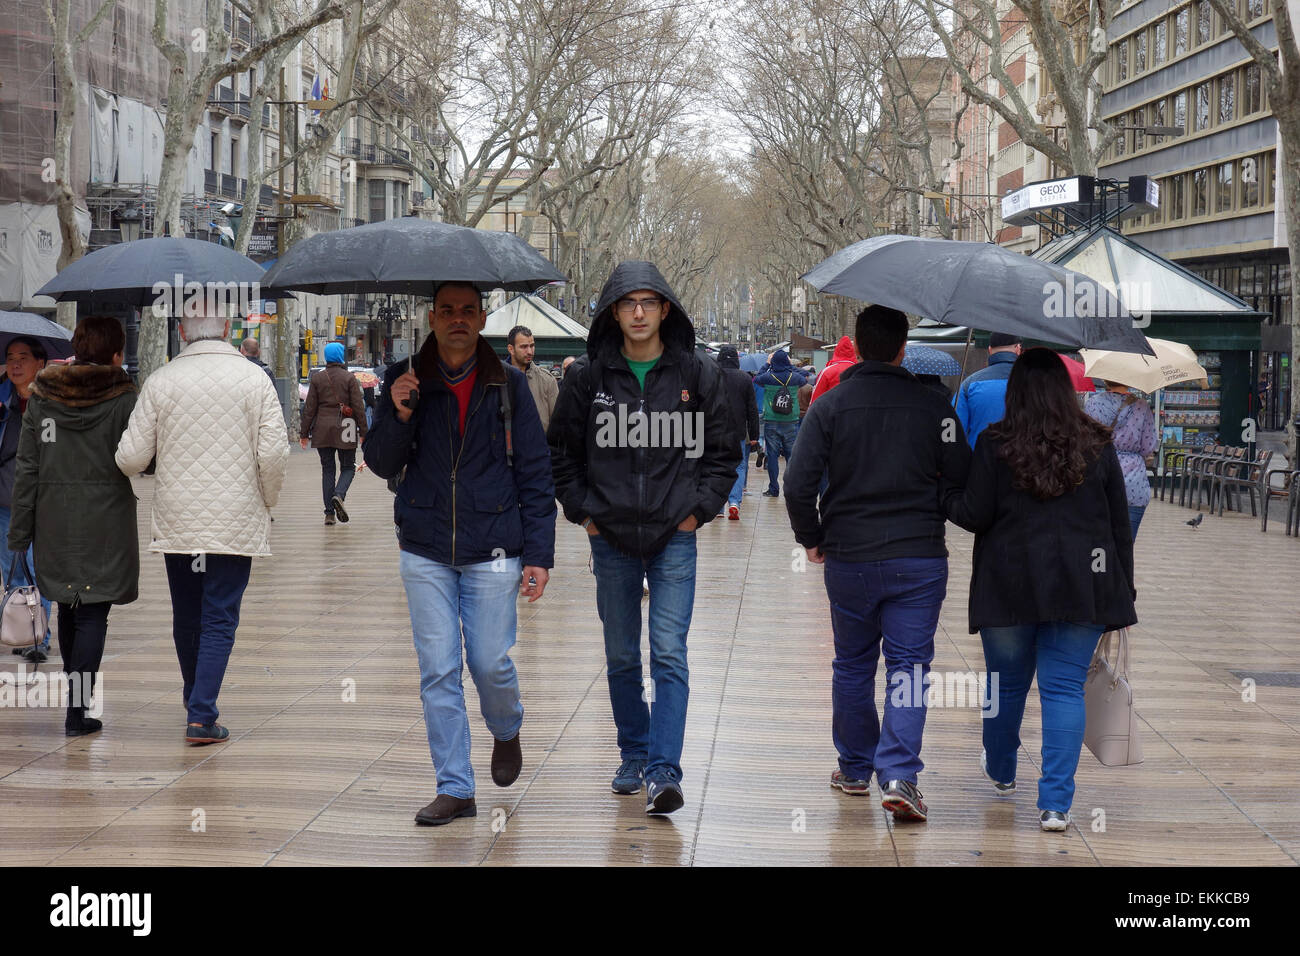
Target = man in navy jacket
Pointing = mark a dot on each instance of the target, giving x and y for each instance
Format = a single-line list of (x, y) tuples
[(475, 512)]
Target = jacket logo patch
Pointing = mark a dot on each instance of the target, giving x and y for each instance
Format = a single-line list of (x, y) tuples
[(686, 395), (603, 398)]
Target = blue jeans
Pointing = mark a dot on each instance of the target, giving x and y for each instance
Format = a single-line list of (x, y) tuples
[(651, 718), (780, 438), (1060, 653), (347, 469), (742, 473), (207, 590), (894, 603), (20, 574), (478, 601), (1135, 518)]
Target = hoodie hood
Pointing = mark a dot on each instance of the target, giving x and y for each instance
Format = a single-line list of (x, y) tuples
[(605, 335), (728, 357), (844, 351), (334, 352), (780, 361)]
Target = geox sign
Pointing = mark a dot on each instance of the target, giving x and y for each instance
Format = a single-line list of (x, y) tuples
[(1018, 207)]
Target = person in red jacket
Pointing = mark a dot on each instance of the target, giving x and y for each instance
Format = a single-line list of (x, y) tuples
[(844, 356)]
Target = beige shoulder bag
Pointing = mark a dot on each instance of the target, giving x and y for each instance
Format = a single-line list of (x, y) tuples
[(1111, 731)]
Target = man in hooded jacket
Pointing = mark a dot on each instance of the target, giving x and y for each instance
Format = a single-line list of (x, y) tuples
[(643, 451), (781, 383), (744, 409), (844, 357)]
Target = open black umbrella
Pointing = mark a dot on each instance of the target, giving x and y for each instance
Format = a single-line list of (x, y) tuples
[(408, 256), (982, 286), (145, 271), (56, 339)]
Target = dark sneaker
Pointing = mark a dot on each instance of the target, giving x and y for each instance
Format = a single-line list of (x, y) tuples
[(339, 510), (1002, 788), (854, 788), (771, 494), (205, 733), (79, 728), (445, 809), (1053, 821), (903, 800), (733, 513), (628, 778), (663, 796), (34, 655), (507, 761), (329, 519)]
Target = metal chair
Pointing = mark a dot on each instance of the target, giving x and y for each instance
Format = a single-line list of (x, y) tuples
[(1202, 469), (1248, 476), (1287, 492), (1191, 464)]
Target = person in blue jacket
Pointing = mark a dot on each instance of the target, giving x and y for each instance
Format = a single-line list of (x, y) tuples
[(982, 398), (475, 512)]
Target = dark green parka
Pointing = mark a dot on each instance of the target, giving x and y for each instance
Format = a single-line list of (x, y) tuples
[(69, 496)]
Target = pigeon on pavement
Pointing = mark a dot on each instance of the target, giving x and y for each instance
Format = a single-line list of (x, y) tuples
[(1195, 522)]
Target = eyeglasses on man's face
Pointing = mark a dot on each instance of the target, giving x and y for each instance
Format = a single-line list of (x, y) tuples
[(648, 306)]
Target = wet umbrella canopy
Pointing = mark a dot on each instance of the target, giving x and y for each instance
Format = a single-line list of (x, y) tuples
[(131, 273), (922, 360), (982, 286), (56, 339), (408, 256)]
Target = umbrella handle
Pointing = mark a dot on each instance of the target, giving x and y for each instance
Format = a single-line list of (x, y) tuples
[(412, 401)]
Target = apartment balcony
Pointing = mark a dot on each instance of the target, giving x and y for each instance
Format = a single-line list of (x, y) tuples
[(211, 182), (224, 101), (232, 187), (350, 146), (266, 116), (266, 196)]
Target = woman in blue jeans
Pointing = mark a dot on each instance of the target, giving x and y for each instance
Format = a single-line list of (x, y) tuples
[(1053, 568), (1133, 432)]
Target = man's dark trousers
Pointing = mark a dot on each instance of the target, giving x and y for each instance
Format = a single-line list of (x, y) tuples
[(894, 603)]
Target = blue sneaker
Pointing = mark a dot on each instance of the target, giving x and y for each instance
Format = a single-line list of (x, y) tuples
[(663, 796), (628, 778)]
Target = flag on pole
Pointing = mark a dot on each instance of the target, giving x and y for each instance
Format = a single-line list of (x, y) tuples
[(315, 93)]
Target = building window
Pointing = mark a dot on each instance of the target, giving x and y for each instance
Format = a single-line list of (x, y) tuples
[(1157, 214), (1202, 117), (1140, 52), (1266, 177), (377, 200), (1123, 60), (1158, 113), (1204, 22), (1227, 98), (1180, 32), (1159, 43), (1250, 182), (1254, 9), (1200, 192), (1180, 110), (1223, 188), (1175, 197), (1138, 119), (1252, 93)]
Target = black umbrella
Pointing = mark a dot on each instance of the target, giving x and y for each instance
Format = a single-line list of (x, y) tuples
[(408, 256), (56, 339), (147, 271), (982, 286)]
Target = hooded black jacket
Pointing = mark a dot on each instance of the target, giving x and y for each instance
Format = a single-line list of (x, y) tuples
[(740, 393), (637, 494)]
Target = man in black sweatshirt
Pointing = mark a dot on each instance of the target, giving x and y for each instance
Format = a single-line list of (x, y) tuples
[(643, 450), (885, 440), (744, 409)]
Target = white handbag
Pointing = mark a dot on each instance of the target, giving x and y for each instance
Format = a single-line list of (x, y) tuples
[(22, 616), (1111, 730)]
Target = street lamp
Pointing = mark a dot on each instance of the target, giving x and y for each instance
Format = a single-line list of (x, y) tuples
[(129, 223)]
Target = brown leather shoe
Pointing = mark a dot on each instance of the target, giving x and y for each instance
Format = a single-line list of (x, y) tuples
[(507, 761), (445, 809)]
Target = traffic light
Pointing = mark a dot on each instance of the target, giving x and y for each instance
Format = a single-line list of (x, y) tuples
[(340, 325)]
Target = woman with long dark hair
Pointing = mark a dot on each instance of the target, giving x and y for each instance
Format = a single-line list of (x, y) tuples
[(1053, 568)]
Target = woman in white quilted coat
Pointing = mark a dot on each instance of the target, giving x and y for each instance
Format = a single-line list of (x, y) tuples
[(211, 420)]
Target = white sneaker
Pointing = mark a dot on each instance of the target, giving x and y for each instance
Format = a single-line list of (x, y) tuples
[(1053, 821), (1001, 788)]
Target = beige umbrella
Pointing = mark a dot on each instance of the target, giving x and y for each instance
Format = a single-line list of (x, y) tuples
[(1172, 363)]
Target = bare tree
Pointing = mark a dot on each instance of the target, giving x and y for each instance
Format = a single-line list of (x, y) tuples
[(1281, 77), (65, 44), (978, 45)]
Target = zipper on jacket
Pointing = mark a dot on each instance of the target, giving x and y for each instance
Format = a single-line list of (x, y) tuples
[(456, 462)]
